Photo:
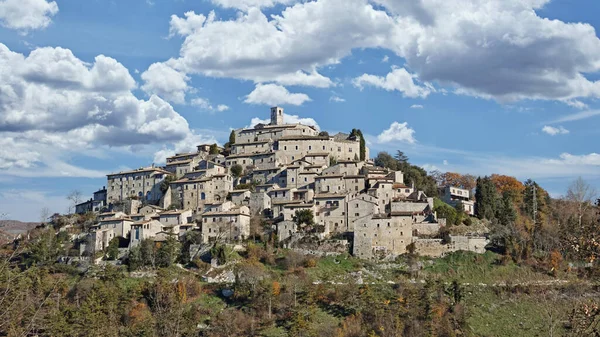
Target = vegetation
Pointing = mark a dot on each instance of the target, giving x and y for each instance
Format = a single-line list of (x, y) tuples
[(412, 174), (214, 149), (237, 170)]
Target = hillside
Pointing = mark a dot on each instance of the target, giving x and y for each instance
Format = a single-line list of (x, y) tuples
[(9, 229)]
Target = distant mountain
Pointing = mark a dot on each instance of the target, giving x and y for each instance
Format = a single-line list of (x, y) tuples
[(10, 229)]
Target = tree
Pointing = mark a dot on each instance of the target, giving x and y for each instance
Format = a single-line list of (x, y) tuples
[(508, 186), (44, 214), (445, 211), (323, 134), (401, 158), (486, 197), (214, 149), (363, 143), (232, 137), (168, 252), (304, 217), (236, 170), (75, 198), (166, 183), (332, 161), (582, 195), (385, 160), (112, 251)]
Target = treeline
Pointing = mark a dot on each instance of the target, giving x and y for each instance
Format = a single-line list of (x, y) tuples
[(526, 223)]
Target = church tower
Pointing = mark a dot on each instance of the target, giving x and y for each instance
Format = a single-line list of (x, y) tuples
[(276, 116)]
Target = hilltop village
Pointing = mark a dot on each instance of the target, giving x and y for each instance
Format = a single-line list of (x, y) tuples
[(310, 191)]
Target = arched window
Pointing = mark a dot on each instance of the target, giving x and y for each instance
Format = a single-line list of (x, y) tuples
[(202, 196)]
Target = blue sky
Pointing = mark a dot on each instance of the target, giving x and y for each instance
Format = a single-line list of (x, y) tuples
[(477, 86)]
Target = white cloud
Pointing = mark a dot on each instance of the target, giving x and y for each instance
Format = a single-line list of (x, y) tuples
[(222, 107), (552, 131), (397, 80), (576, 104), (288, 119), (54, 106), (416, 106), (397, 132), (385, 59), (246, 4), (336, 99), (187, 144), (205, 104), (445, 162), (273, 94), (26, 15), (592, 159), (163, 80), (470, 45), (576, 116)]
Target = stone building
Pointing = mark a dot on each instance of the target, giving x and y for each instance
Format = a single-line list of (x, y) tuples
[(142, 184), (226, 225)]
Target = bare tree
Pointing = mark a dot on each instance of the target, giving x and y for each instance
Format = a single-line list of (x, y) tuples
[(582, 195), (44, 214), (75, 198)]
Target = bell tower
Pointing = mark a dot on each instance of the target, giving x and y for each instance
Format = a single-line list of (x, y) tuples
[(276, 116)]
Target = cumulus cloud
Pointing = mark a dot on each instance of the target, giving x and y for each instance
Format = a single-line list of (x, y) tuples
[(246, 4), (385, 59), (163, 80), (273, 94), (397, 132), (397, 80), (470, 45), (552, 131), (27, 15), (205, 104), (52, 104), (288, 119)]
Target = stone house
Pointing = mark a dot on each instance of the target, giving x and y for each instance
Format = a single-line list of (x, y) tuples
[(142, 230), (226, 225), (382, 236), (143, 184), (240, 197), (331, 212)]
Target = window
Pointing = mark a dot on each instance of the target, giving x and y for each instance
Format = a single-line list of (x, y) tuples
[(339, 149), (285, 148), (356, 214), (310, 147), (296, 147)]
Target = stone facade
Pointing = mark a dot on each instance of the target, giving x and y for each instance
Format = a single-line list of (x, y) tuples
[(143, 184), (230, 225)]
